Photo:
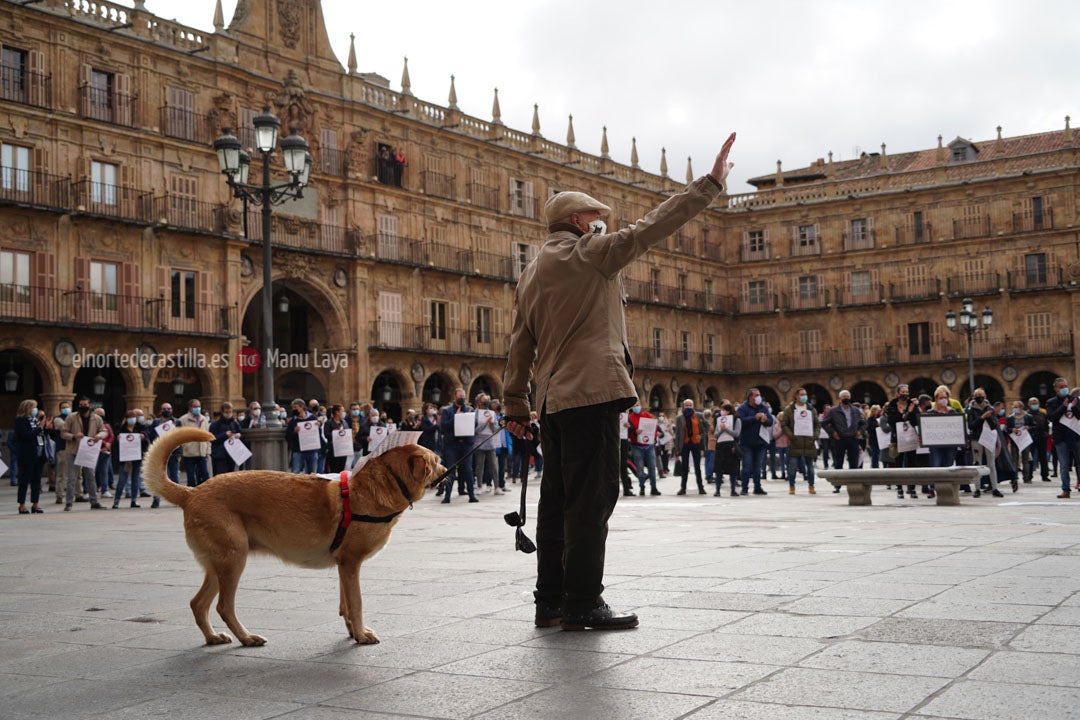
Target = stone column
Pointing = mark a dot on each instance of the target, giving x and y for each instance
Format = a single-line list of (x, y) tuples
[(268, 448)]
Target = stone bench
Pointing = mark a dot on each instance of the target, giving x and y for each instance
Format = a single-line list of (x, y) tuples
[(946, 481)]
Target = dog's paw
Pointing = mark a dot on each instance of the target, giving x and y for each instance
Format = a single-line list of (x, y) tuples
[(253, 641), (219, 639), (367, 637)]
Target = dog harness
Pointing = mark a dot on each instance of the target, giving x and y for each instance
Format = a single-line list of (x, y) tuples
[(347, 516)]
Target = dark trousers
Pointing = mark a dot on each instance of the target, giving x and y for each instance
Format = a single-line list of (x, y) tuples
[(624, 468), (195, 468), (845, 447), (688, 451), (577, 496), (335, 464), (453, 452), (223, 465), (1038, 452), (30, 479)]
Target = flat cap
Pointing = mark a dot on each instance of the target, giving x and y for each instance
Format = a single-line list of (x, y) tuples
[(561, 206)]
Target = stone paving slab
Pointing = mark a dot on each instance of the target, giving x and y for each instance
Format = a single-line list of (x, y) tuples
[(777, 607)]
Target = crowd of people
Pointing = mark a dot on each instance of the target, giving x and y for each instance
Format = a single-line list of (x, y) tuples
[(57, 449), (738, 445)]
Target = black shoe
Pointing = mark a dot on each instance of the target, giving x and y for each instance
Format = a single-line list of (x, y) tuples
[(700, 490), (67, 507), (628, 492), (24, 511), (734, 492), (716, 494), (446, 500), (473, 498), (136, 505), (116, 506), (547, 615), (155, 504), (836, 488), (600, 618), (143, 494), (997, 493), (759, 491), (97, 506), (654, 491), (37, 511), (900, 495), (682, 491)]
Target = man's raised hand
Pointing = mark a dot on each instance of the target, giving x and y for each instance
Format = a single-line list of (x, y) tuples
[(722, 167)]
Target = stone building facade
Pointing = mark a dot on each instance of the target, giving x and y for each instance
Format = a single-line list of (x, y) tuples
[(394, 275)]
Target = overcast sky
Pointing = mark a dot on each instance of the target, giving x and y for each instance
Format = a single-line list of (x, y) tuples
[(794, 78)]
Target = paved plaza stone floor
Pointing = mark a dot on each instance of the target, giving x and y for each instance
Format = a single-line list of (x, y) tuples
[(778, 607)]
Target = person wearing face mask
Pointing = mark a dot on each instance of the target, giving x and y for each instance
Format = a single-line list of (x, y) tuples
[(1016, 422), (980, 414), (941, 456), (172, 470), (846, 427), (754, 415), (195, 453), (29, 437), (455, 447), (570, 326), (800, 424), (902, 413), (643, 448), (225, 427), (1064, 405), (485, 463), (691, 428), (336, 421), (80, 424), (300, 461), (727, 428), (429, 428), (128, 478), (1040, 433), (62, 470)]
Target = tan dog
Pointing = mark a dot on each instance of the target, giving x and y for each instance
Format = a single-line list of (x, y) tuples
[(294, 517)]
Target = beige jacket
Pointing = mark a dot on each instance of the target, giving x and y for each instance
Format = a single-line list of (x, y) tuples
[(194, 449), (570, 323), (74, 425)]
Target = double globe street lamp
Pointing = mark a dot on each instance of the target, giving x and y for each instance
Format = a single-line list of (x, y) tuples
[(969, 324), (235, 164)]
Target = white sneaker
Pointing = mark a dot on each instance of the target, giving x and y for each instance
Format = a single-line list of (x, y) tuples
[(106, 494), (499, 491)]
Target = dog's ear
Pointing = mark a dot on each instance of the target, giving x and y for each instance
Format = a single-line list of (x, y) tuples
[(419, 466)]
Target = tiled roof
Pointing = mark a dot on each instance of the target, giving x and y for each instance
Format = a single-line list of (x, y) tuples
[(871, 165)]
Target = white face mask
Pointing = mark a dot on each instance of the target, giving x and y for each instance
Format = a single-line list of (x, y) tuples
[(598, 227)]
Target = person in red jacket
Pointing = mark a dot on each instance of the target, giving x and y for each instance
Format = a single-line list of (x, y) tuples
[(643, 447)]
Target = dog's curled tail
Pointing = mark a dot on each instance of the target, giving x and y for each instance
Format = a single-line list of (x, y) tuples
[(157, 458)]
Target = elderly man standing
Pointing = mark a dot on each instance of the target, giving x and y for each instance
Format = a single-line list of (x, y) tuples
[(570, 325), (846, 426)]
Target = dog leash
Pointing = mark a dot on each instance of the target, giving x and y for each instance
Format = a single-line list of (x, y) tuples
[(441, 480)]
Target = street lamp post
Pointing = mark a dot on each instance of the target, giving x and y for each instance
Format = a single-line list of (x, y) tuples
[(235, 164), (969, 325)]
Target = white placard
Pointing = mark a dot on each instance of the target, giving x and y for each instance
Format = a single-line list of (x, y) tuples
[(309, 435), (237, 450), (464, 424), (130, 447), (646, 431), (942, 430), (907, 438), (1070, 422), (884, 439), (804, 422), (765, 433), (624, 432), (88, 452), (342, 441), (376, 435), (665, 437), (725, 425), (3, 468), (164, 427), (988, 438), (393, 440), (392, 427), (1021, 438), (482, 418)]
